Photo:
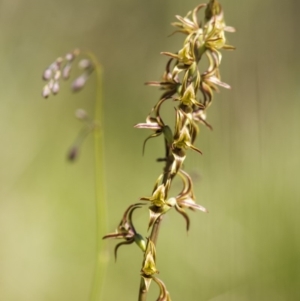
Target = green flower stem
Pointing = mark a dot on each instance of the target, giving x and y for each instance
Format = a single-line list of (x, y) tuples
[(101, 207), (156, 226)]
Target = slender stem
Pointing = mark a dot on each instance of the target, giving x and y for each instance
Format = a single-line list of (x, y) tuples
[(156, 226), (142, 291), (155, 230), (101, 208)]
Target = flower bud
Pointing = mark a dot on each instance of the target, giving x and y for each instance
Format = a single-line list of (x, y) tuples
[(73, 153), (57, 75), (55, 87), (46, 91), (47, 74), (140, 241), (70, 57), (66, 71), (84, 64), (79, 82)]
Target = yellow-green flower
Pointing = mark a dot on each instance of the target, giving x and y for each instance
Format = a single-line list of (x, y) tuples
[(149, 265)]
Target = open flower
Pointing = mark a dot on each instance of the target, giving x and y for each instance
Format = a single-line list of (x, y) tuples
[(186, 55), (156, 123), (199, 115), (170, 82), (152, 123), (187, 25), (184, 132), (186, 198), (126, 230), (159, 204), (214, 32)]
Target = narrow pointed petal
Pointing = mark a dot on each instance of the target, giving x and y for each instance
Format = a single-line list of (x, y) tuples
[(150, 126), (186, 217), (216, 81), (195, 149), (192, 205), (153, 217), (229, 29), (229, 47), (113, 235), (173, 55), (156, 134), (153, 83), (188, 23), (128, 242), (195, 11), (163, 293)]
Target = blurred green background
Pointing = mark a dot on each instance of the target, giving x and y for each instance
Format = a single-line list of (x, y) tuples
[(247, 248)]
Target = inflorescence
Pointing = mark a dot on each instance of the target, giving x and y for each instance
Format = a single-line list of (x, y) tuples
[(60, 70), (193, 90)]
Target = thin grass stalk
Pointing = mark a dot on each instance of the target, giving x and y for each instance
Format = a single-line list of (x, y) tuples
[(100, 194)]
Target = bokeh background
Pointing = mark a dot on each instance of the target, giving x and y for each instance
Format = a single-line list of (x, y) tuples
[(247, 248)]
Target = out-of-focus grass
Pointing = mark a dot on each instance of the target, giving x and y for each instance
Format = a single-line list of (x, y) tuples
[(246, 248)]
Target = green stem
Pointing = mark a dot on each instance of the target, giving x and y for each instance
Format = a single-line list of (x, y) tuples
[(142, 291), (156, 226), (101, 208)]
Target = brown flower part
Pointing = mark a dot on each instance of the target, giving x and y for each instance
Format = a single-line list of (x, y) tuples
[(186, 198), (179, 157), (211, 78), (169, 82), (126, 231), (163, 293), (156, 123), (199, 116)]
